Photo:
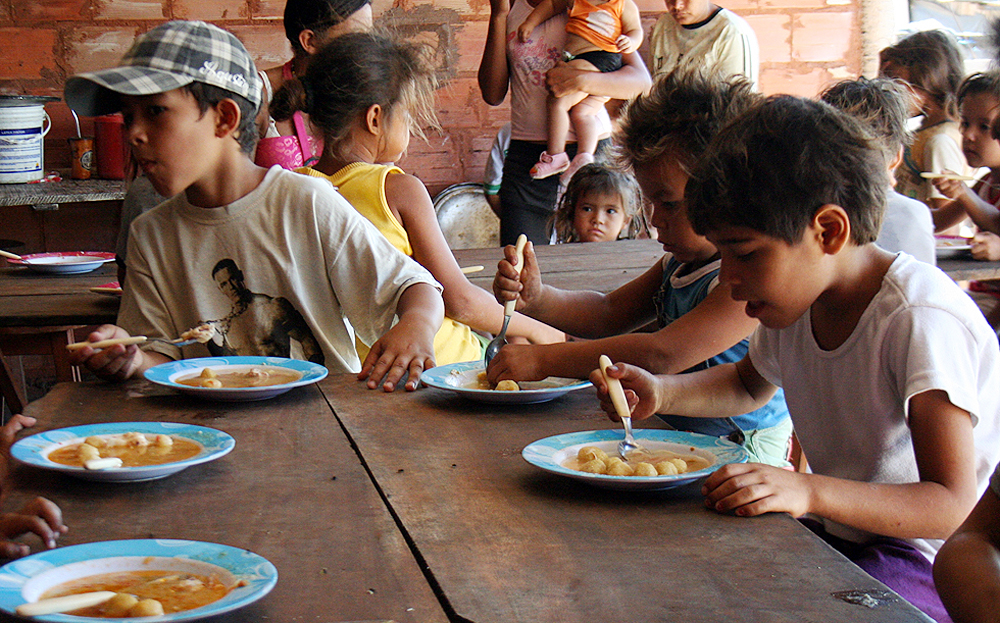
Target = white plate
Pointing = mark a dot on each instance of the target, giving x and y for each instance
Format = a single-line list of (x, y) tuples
[(947, 247), (166, 374), (26, 579), (34, 450), (550, 453), (461, 379), (67, 263)]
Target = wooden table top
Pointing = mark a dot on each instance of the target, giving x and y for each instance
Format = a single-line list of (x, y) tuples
[(505, 541), (30, 299), (292, 490)]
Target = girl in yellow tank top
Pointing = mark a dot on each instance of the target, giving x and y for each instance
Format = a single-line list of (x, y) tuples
[(369, 122)]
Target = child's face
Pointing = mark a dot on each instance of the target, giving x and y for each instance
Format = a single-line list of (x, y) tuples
[(598, 217), (977, 115), (663, 184), (173, 143), (687, 12), (768, 273)]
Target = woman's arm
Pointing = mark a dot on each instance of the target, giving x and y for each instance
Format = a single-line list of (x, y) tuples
[(494, 74), (464, 302), (629, 81)]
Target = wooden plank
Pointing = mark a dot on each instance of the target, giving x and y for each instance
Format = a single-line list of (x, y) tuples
[(59, 309), (507, 542), (969, 269), (22, 281), (292, 490)]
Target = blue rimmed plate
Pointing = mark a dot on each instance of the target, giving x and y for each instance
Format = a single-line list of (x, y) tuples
[(26, 579), (462, 378), (550, 454), (34, 450), (166, 374)]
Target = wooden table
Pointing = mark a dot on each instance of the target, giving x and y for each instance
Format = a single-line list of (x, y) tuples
[(419, 507), (30, 299), (293, 490), (967, 269)]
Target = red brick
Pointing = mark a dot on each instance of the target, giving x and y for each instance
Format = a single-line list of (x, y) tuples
[(97, 47), (211, 10), (28, 53), (470, 41), (822, 37), (267, 9), (751, 5), (267, 45), (774, 37), (129, 10), (6, 16), (806, 82), (31, 10)]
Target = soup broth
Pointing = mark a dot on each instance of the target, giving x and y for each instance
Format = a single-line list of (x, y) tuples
[(133, 451), (250, 377), (593, 460), (176, 591)]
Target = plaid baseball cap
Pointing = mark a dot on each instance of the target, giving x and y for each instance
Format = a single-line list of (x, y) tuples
[(168, 57)]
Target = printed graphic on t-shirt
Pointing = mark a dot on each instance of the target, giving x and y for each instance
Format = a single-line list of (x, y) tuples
[(259, 324)]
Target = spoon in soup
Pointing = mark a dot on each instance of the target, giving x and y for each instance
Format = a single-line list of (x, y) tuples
[(201, 333), (66, 603), (628, 445), (508, 308)]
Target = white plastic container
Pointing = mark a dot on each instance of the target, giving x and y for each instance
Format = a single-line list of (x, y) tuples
[(23, 126)]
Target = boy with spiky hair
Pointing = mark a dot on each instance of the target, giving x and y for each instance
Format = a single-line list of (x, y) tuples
[(890, 372)]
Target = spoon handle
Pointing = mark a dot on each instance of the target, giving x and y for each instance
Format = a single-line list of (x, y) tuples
[(9, 256), (124, 341), (616, 391), (508, 307), (67, 603)]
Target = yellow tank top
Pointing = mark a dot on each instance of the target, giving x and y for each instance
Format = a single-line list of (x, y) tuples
[(363, 185)]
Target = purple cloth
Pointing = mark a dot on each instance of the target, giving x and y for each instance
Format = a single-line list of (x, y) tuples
[(895, 563)]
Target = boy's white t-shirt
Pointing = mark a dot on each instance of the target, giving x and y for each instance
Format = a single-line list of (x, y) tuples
[(725, 45), (849, 405), (306, 256)]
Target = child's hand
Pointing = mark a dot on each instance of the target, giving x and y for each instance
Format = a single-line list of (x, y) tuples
[(516, 362), (524, 31), (39, 516), (625, 44), (116, 363), (407, 348), (950, 188), (508, 285), (642, 391), (14, 425), (986, 247), (749, 489)]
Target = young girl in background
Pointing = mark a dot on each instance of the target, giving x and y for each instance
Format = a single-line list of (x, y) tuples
[(599, 205), (366, 109), (931, 65)]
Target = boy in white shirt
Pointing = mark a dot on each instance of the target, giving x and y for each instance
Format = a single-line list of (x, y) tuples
[(313, 270), (890, 373)]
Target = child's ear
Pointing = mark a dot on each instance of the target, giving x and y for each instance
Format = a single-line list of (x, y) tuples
[(309, 41), (375, 119), (227, 118), (832, 227)]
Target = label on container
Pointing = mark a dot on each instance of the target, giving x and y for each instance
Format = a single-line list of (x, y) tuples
[(20, 150)]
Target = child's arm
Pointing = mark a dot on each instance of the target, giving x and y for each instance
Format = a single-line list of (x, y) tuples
[(967, 568), (582, 313), (469, 304), (408, 347), (631, 80), (631, 37), (963, 201), (494, 74), (542, 12), (713, 326), (115, 363), (942, 437)]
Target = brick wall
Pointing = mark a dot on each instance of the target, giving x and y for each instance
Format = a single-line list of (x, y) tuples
[(805, 44)]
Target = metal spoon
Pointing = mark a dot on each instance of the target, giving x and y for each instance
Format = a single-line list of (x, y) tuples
[(628, 445), (494, 347)]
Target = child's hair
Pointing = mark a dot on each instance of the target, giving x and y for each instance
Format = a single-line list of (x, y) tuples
[(208, 95), (935, 64), (679, 116), (596, 178), (881, 104), (352, 73), (317, 16), (979, 83), (772, 168)]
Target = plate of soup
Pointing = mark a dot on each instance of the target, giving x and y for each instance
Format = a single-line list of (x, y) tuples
[(675, 458), (236, 378), (190, 580), (147, 450), (468, 379)]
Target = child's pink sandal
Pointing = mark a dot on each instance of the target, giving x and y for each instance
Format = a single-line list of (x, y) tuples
[(547, 165), (581, 160)]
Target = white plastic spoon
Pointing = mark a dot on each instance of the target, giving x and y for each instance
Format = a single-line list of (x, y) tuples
[(67, 603)]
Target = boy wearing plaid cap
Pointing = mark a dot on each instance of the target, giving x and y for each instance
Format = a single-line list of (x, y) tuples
[(277, 263)]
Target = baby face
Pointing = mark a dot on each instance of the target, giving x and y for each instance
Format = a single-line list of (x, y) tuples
[(598, 217)]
